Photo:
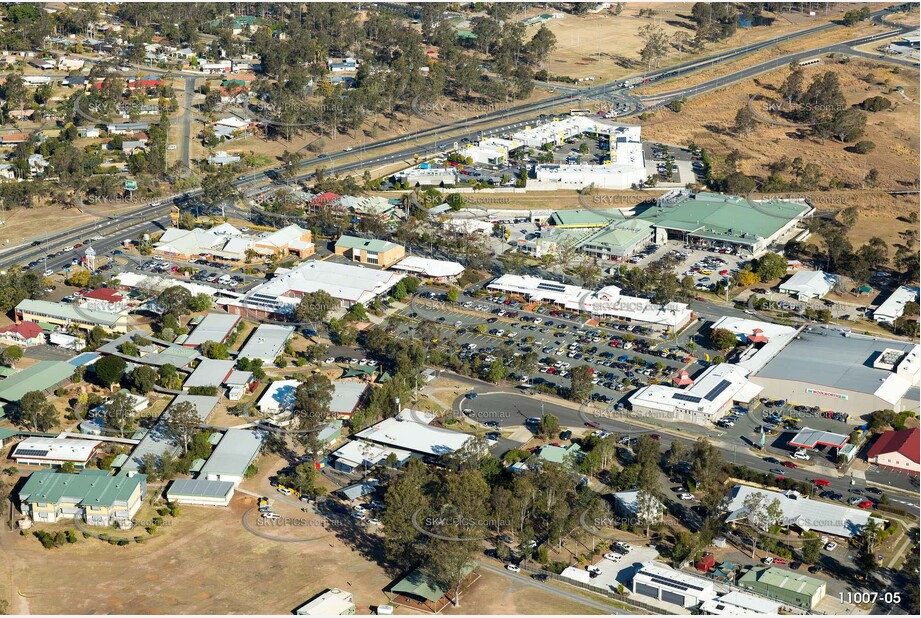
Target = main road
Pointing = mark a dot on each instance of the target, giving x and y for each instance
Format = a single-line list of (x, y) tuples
[(470, 129)]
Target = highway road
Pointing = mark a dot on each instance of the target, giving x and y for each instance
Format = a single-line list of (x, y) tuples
[(472, 130)]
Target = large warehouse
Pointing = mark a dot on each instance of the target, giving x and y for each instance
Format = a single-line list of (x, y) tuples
[(833, 369), (724, 221)]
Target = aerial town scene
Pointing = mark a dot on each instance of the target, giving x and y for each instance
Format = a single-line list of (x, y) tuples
[(460, 308)]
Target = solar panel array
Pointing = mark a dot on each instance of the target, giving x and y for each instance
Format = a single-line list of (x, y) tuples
[(553, 287), (32, 452), (716, 390), (686, 397), (674, 583)]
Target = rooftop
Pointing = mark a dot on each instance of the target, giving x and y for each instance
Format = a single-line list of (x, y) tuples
[(266, 342), (416, 437), (210, 372), (213, 327), (88, 488), (56, 449), (726, 217), (39, 377), (805, 514), (63, 311), (782, 578), (368, 244), (429, 267), (822, 355), (234, 453), (199, 488), (907, 442)]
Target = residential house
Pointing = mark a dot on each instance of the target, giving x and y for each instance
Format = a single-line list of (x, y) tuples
[(23, 334)]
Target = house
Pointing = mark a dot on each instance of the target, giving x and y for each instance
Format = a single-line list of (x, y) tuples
[(12, 139), (233, 455), (93, 132), (893, 307), (23, 334), (898, 450), (148, 82), (332, 602), (783, 585), (37, 165), (7, 171), (200, 492), (126, 128), (221, 158), (55, 452), (636, 509), (660, 582), (129, 147), (216, 68), (94, 495), (806, 284)]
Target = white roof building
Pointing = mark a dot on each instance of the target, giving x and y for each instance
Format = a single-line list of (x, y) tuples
[(893, 307), (155, 283), (803, 513), (736, 603), (356, 454), (440, 270), (657, 581), (606, 302), (777, 336), (415, 437), (266, 342), (806, 284), (54, 451), (333, 602), (710, 395), (346, 283)]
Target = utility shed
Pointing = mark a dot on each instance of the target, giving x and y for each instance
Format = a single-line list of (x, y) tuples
[(201, 492), (785, 586)]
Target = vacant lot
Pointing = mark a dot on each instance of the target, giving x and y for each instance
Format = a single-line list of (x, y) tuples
[(707, 121), (608, 47)]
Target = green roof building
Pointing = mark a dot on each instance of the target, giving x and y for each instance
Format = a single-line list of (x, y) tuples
[(62, 314), (98, 498), (620, 239), (42, 376), (422, 591), (725, 221), (785, 586), (560, 454), (581, 218)]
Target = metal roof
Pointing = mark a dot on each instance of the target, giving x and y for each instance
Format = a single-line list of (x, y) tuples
[(89, 487), (346, 396), (39, 377), (810, 438), (199, 488), (368, 244), (233, 454), (214, 327), (824, 356), (210, 372), (63, 311), (266, 342), (157, 440)]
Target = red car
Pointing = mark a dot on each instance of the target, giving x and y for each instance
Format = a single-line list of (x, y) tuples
[(655, 436), (592, 424), (821, 482), (866, 504), (789, 464), (779, 561)]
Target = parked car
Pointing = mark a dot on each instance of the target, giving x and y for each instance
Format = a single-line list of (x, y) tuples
[(831, 546), (514, 568)]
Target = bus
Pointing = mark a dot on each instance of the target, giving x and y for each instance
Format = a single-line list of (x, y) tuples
[(580, 112), (810, 62)]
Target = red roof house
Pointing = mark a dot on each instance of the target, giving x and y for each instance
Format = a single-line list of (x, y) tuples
[(682, 379), (323, 199), (23, 333), (898, 450)]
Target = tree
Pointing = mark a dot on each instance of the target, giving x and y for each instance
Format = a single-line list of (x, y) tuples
[(452, 295), (864, 147), (812, 548), (311, 407), (745, 121), (549, 425), (119, 412), (849, 124), (182, 422), (674, 455), (315, 306), (200, 302), (771, 266), (36, 412), (747, 278), (215, 350), (175, 300), (143, 379), (109, 370), (11, 355), (580, 383), (723, 339)]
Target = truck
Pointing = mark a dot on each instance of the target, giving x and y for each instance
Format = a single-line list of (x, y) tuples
[(66, 341)]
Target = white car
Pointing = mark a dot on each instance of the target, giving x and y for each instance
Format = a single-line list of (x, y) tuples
[(593, 569), (284, 491), (374, 521), (271, 516), (801, 455), (359, 516), (767, 560), (330, 360), (613, 557), (831, 546), (686, 497), (48, 273), (624, 546), (514, 568), (68, 249), (358, 508)]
